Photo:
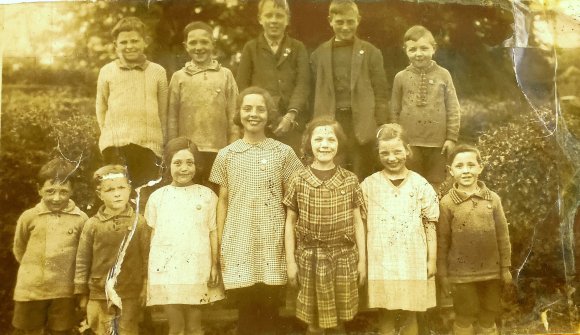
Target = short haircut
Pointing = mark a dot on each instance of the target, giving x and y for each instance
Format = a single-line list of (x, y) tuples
[(277, 3), (174, 146), (58, 170), (342, 7), (416, 32), (108, 172), (197, 25), (460, 148), (268, 101), (322, 122), (130, 23)]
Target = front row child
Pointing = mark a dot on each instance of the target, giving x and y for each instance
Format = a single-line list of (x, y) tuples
[(474, 251), (324, 235), (183, 267), (401, 241), (98, 251), (45, 245)]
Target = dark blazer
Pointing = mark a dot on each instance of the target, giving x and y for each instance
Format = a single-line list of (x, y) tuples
[(368, 84), (285, 75)]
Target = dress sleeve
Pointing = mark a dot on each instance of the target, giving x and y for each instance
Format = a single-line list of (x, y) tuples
[(429, 203), (291, 196), (151, 210), (219, 173), (291, 165), (211, 215)]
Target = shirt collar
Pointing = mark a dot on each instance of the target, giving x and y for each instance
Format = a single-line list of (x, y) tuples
[(431, 67), (142, 65), (334, 182), (70, 208), (459, 196), (102, 216), (274, 43), (191, 68), (241, 146)]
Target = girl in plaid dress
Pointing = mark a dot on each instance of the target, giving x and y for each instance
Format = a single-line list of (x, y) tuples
[(402, 212), (325, 241), (252, 173)]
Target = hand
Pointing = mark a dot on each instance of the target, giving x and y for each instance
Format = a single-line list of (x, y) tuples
[(362, 273), (431, 268), (213, 276), (506, 276), (292, 270), (83, 301), (446, 287), (286, 124), (448, 146)]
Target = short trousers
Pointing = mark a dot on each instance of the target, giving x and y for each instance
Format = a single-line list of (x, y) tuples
[(101, 318), (54, 314), (429, 163), (470, 299)]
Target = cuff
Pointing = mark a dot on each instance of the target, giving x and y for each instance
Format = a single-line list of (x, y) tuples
[(82, 289)]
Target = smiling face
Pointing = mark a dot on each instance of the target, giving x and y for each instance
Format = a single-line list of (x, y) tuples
[(393, 155), (420, 52), (115, 193), (274, 20), (466, 169), (254, 114), (130, 46), (344, 25), (55, 195), (199, 46), (324, 144), (182, 168)]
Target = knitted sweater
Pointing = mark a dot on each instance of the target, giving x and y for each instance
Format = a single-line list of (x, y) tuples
[(202, 104), (473, 242), (425, 104), (131, 105), (45, 245)]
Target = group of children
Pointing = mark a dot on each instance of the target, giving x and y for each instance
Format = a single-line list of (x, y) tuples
[(276, 219)]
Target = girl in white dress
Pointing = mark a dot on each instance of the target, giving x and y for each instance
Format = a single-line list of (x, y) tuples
[(183, 264), (401, 239)]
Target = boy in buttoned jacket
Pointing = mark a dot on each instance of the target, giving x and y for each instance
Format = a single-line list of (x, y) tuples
[(350, 85), (278, 63), (45, 245)]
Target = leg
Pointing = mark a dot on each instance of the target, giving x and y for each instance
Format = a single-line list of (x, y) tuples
[(61, 316), (435, 167), (269, 304), (30, 317), (363, 159), (409, 324), (490, 297), (193, 320), (466, 306), (248, 317), (129, 316), (97, 317), (386, 320), (204, 170), (175, 319), (415, 161)]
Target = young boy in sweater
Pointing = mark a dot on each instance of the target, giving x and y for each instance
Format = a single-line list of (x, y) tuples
[(278, 63), (474, 250), (98, 250), (350, 85), (45, 245), (131, 105)]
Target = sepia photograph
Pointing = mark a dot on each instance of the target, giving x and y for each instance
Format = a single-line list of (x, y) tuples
[(285, 167)]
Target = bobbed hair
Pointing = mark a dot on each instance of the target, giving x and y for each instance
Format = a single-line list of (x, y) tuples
[(341, 7), (102, 173), (174, 146), (307, 153), (268, 101), (416, 32), (277, 3), (57, 170), (460, 148), (129, 23), (197, 25)]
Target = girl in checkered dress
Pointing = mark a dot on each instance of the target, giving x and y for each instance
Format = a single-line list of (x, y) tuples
[(252, 173), (325, 241), (402, 212)]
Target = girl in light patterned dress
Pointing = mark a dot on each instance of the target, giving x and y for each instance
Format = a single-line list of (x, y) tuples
[(325, 239), (252, 173), (183, 262), (401, 241)]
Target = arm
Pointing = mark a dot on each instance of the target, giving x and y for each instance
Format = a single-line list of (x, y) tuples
[(299, 97), (173, 108), (84, 259), (222, 211), (452, 110), (21, 236), (359, 232), (431, 234), (443, 235), (213, 241), (231, 97), (380, 86), (290, 247), (396, 99), (503, 240), (162, 100), (102, 100), (145, 244), (244, 74)]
